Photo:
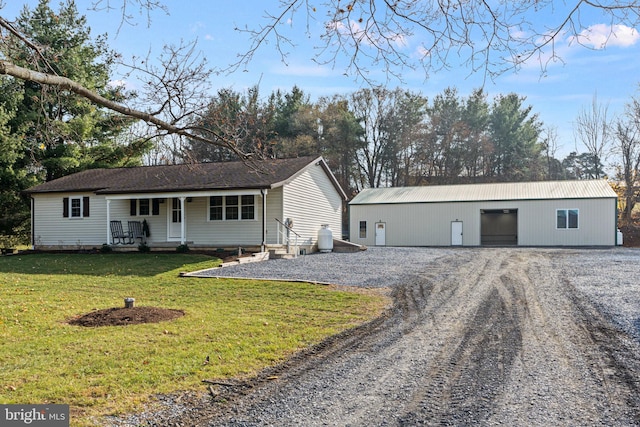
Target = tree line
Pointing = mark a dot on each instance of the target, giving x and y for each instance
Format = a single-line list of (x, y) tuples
[(378, 137)]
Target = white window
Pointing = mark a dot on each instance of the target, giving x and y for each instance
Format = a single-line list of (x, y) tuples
[(566, 218), (216, 208), (144, 207), (248, 207), (75, 207), (232, 208)]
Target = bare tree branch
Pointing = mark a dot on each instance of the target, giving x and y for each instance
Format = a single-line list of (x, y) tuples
[(593, 127), (490, 37), (17, 34), (7, 68), (126, 16)]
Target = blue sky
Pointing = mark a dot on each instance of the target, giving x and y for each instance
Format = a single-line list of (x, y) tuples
[(612, 72)]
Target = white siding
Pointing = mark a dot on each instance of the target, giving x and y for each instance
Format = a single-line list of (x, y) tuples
[(52, 229), (120, 210), (429, 224), (201, 231), (311, 200), (274, 210), (596, 223)]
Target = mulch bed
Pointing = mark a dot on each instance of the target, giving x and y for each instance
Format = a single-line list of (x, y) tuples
[(126, 316)]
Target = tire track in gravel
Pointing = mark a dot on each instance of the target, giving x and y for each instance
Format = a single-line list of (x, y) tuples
[(407, 375), (483, 337), (617, 365), (467, 374)]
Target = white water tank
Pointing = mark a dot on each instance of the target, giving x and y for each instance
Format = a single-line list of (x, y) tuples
[(325, 239)]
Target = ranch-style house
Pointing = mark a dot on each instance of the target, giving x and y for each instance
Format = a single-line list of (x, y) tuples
[(208, 205)]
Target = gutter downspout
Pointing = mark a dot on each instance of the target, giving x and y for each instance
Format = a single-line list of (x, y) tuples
[(183, 220), (263, 246), (109, 241), (615, 228), (33, 226)]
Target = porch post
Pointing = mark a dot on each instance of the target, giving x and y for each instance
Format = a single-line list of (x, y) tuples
[(109, 222), (183, 220), (263, 248)]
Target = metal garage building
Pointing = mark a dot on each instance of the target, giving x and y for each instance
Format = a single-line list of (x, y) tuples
[(547, 213)]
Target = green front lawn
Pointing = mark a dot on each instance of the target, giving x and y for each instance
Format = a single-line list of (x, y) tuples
[(242, 325)]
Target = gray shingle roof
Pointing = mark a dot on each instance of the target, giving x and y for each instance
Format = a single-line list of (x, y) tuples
[(184, 177)]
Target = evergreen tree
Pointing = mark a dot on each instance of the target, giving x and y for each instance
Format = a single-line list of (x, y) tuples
[(340, 135), (514, 134), (15, 173), (45, 131), (64, 132)]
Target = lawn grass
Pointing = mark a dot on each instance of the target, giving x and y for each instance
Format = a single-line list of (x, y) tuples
[(242, 325)]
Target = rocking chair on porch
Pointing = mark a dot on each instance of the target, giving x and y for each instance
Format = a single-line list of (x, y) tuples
[(136, 231), (118, 236)]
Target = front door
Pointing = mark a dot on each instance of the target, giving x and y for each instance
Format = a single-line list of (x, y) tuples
[(456, 233), (175, 219), (381, 233)]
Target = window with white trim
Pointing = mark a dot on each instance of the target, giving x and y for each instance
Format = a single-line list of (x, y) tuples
[(75, 207), (363, 229), (216, 207), (566, 218), (248, 207), (232, 208), (144, 207)]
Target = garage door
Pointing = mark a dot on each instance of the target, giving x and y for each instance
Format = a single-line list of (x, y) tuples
[(499, 227)]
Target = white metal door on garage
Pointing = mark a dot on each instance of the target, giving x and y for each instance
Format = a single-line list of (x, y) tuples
[(381, 233), (456, 233)]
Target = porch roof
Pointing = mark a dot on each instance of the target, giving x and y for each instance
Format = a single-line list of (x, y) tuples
[(236, 175)]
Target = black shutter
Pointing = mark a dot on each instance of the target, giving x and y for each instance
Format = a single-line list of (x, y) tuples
[(85, 206), (155, 208), (65, 207), (133, 203)]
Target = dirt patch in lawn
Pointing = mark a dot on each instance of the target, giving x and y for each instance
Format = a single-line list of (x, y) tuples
[(126, 316)]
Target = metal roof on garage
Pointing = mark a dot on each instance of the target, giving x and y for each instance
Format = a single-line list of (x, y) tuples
[(540, 190)]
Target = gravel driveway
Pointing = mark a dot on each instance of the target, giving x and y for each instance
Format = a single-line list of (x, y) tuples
[(376, 267), (504, 336)]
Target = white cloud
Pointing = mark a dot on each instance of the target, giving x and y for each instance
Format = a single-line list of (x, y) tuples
[(125, 84), (367, 35), (196, 26), (600, 36), (422, 52)]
